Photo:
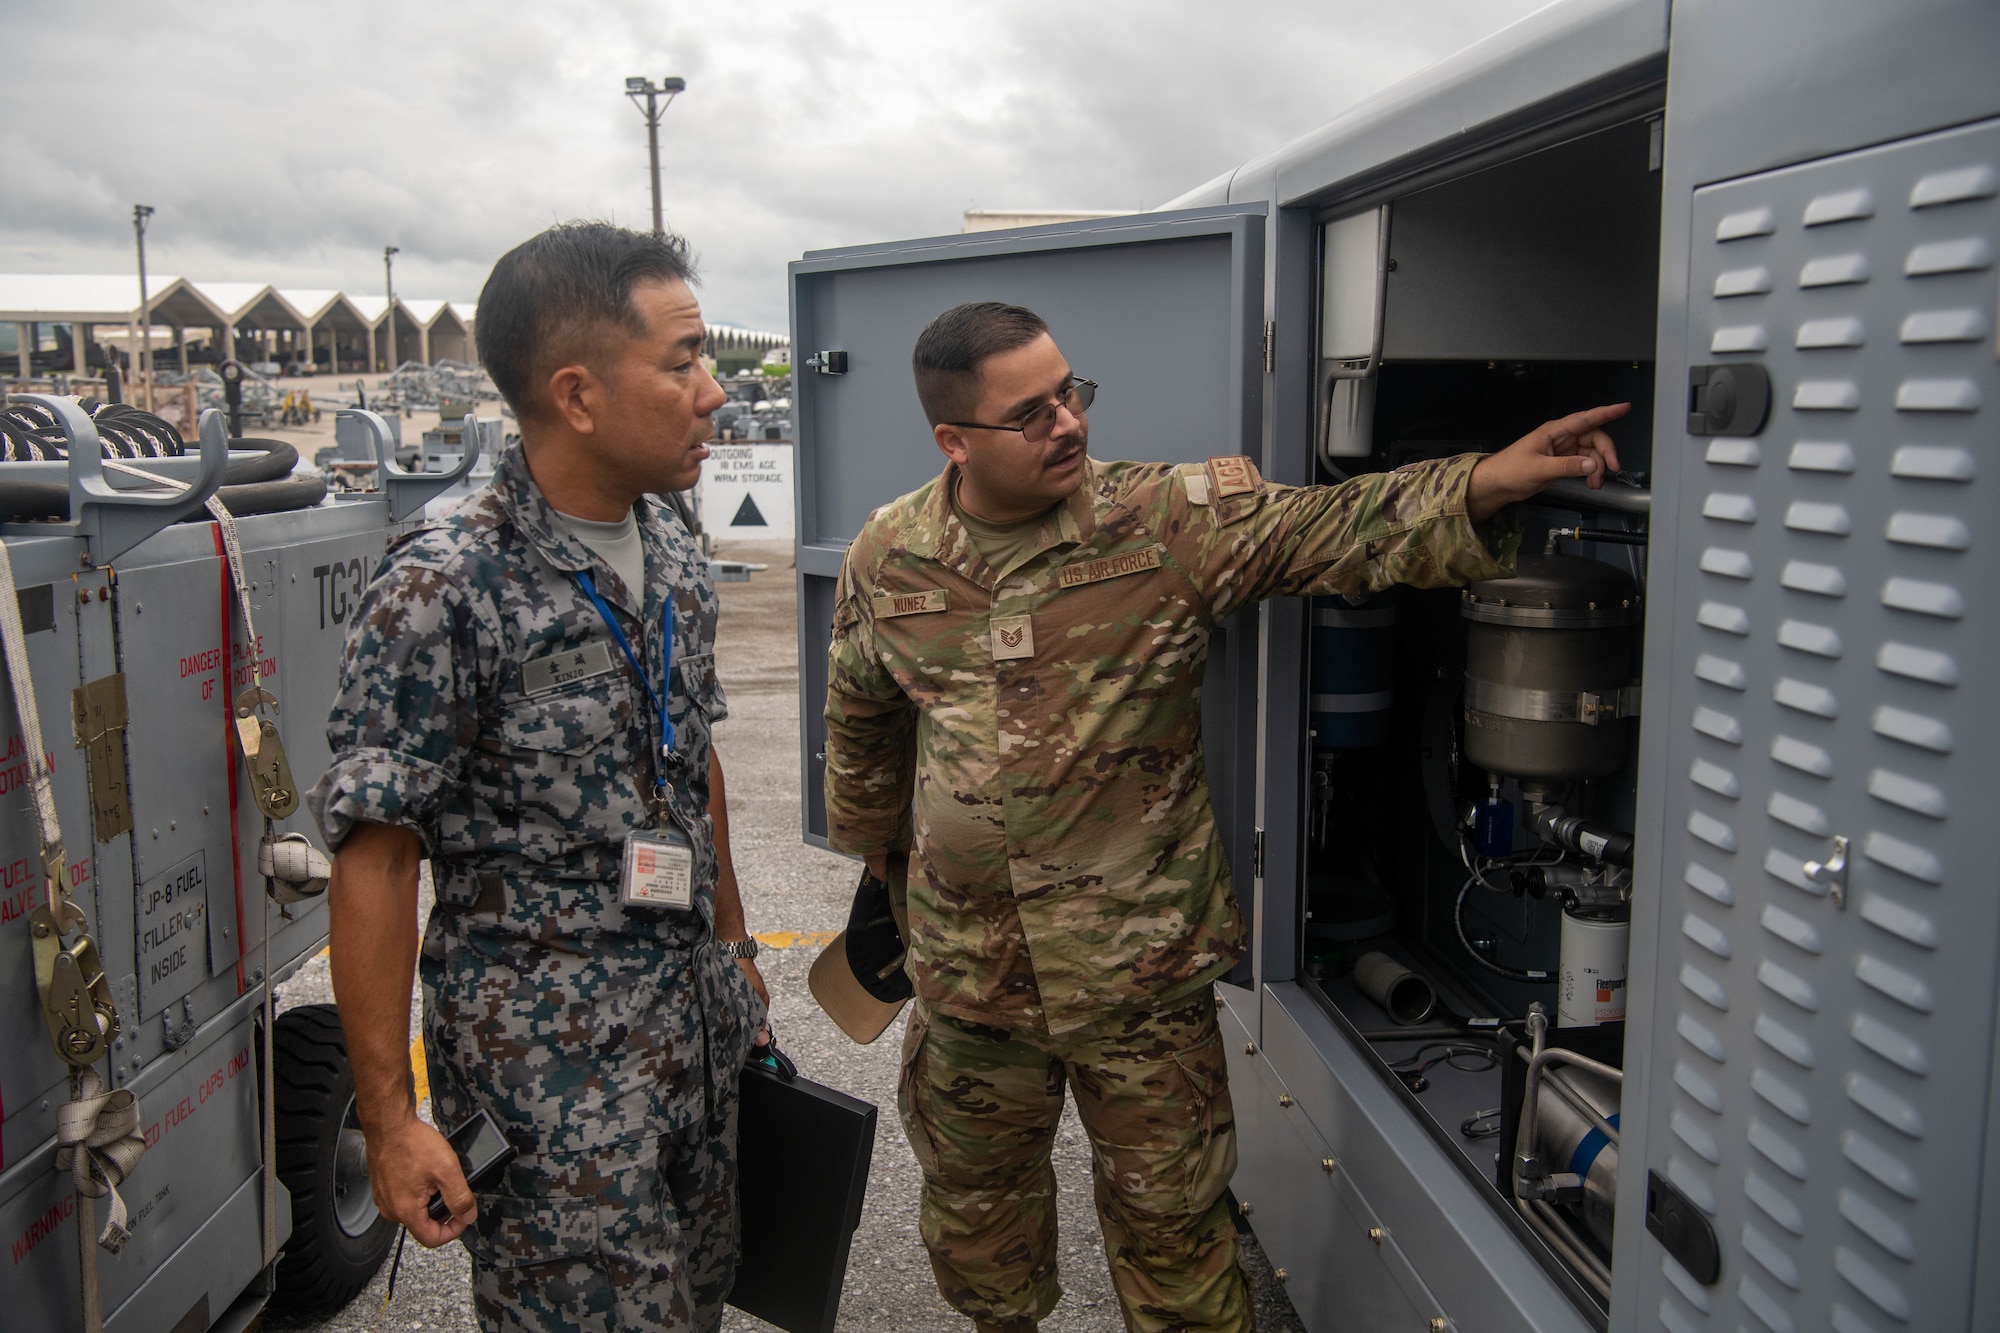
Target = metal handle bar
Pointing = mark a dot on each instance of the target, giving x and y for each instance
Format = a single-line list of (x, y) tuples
[(113, 521), (408, 491)]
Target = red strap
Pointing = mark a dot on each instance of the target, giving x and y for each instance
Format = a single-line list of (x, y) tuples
[(229, 750)]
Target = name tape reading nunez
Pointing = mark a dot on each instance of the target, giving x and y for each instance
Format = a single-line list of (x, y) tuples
[(910, 603)]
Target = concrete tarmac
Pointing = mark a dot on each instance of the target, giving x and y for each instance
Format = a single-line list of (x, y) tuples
[(796, 897)]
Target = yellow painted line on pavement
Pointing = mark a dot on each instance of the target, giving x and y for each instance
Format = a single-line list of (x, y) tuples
[(420, 1070), (787, 939)]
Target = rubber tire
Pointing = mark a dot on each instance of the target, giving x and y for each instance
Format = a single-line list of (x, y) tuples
[(322, 1266)]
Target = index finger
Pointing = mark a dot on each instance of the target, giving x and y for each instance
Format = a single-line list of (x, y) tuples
[(1580, 423)]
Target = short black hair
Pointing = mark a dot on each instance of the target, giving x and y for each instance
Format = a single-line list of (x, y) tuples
[(552, 299), (952, 346)]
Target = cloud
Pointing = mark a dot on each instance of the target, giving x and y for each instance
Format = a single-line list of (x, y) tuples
[(291, 144)]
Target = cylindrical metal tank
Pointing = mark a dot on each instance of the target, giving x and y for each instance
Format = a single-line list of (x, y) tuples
[(1570, 1143), (1353, 671), (1548, 669)]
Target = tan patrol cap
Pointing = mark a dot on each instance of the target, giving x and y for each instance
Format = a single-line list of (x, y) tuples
[(858, 979)]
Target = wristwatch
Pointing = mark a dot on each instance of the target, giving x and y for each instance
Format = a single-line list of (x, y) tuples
[(738, 948)]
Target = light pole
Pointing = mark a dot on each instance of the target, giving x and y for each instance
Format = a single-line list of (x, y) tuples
[(652, 108), (389, 253), (142, 353)]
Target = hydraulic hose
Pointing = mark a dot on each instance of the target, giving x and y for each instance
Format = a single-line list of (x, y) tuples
[(269, 497), (262, 484), (1458, 924)]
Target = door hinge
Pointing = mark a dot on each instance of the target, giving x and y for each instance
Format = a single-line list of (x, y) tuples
[(1270, 345), (1257, 855)]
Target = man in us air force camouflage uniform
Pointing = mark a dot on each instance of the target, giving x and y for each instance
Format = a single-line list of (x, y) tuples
[(490, 719), (1014, 701)]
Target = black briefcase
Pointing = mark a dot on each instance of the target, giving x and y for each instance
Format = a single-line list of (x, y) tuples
[(803, 1151)]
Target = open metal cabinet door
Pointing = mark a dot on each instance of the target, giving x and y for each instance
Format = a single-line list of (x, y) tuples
[(1164, 311), (1822, 1015)]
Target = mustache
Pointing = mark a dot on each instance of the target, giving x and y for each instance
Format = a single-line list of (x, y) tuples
[(1068, 449)]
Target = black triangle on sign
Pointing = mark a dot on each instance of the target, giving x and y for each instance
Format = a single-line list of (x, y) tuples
[(748, 515)]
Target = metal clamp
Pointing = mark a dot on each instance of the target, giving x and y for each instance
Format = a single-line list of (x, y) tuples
[(1831, 874), (77, 1003), (408, 492), (270, 775), (1589, 707), (828, 362)]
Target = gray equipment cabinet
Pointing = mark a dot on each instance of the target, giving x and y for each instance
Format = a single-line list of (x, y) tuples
[(162, 837), (1773, 228)]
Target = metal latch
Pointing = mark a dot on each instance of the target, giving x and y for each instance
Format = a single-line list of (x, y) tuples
[(1831, 874), (1732, 399), (828, 362), (270, 776), (1683, 1229)]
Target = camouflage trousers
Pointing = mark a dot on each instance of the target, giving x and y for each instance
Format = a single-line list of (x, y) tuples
[(981, 1106), (636, 1236)]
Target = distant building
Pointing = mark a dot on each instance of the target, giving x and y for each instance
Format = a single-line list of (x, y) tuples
[(999, 219)]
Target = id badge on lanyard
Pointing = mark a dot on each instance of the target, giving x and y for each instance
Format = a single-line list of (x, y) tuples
[(658, 869)]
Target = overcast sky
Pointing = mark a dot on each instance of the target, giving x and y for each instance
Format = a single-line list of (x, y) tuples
[(289, 143)]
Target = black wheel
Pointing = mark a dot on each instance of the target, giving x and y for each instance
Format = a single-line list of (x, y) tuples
[(338, 1238)]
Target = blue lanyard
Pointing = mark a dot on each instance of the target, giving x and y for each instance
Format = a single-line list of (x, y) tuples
[(665, 692)]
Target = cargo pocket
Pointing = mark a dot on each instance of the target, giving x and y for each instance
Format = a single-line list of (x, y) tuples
[(1212, 1160), (540, 1254), (1163, 1131), (913, 1093)]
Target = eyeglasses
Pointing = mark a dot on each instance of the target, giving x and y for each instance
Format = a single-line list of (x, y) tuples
[(1036, 425)]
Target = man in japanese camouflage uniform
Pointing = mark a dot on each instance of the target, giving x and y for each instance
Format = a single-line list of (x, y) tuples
[(1014, 706), (499, 713)]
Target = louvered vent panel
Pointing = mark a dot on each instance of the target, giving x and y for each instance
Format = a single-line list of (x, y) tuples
[(1827, 1043)]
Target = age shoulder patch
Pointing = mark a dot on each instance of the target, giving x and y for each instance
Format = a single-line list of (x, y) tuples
[(541, 674), (1233, 476), (1110, 567), (890, 605)]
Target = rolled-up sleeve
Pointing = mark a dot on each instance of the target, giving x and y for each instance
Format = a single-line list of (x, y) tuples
[(406, 712)]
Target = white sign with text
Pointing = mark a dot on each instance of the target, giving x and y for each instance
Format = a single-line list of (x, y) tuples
[(746, 491)]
